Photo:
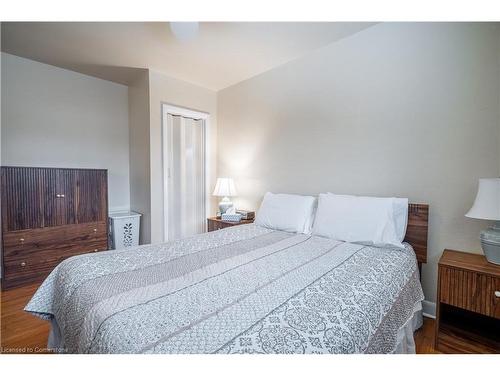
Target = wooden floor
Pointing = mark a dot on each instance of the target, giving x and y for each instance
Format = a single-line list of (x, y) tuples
[(22, 332), (424, 338)]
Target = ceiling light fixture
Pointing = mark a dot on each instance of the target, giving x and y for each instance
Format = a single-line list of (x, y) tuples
[(184, 30)]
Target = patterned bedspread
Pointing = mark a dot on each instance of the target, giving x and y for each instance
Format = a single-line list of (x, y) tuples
[(244, 289)]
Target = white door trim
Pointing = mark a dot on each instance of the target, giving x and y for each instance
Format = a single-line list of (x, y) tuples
[(197, 115)]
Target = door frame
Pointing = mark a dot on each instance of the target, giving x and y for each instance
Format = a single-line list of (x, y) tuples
[(197, 115)]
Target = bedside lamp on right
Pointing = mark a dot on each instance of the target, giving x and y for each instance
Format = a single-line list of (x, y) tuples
[(224, 188), (487, 207)]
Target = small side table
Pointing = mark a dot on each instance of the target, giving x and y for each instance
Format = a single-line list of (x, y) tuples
[(214, 223), (468, 304)]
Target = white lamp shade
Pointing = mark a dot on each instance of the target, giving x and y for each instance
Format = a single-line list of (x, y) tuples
[(487, 203), (224, 187)]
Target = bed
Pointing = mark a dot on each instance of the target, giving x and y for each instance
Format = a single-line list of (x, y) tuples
[(244, 289)]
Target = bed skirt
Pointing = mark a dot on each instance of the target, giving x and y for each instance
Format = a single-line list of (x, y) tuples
[(405, 341)]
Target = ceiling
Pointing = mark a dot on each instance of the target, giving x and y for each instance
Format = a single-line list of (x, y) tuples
[(222, 53)]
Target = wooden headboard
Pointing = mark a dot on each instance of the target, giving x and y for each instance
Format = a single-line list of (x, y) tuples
[(417, 228)]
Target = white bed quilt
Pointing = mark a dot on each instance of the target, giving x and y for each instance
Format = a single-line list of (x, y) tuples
[(245, 289)]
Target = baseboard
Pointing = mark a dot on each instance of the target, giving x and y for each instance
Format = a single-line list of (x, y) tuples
[(429, 309)]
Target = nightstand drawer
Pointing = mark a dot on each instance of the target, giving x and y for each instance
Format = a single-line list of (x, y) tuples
[(215, 224), (469, 290)]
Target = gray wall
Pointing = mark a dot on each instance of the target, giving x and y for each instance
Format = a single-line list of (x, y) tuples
[(164, 89), (54, 117), (140, 193), (146, 96), (406, 110)]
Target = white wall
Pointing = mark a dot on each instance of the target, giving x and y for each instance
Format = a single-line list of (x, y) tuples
[(168, 90), (146, 96), (407, 110), (140, 192), (54, 117), (59, 118)]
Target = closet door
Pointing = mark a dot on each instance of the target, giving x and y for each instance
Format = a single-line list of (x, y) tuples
[(59, 196), (185, 155), (22, 198), (91, 196)]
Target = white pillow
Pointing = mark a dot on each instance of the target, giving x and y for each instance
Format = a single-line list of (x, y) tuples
[(400, 217), (287, 212), (364, 220)]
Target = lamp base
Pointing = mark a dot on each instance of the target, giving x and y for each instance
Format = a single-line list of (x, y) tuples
[(490, 243), (224, 205)]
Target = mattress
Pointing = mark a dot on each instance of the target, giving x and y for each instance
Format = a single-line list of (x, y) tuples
[(244, 289)]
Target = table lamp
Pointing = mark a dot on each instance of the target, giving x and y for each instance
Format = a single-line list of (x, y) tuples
[(487, 207), (224, 188)]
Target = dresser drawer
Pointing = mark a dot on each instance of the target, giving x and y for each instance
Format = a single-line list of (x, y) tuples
[(469, 290), (30, 255), (76, 237), (20, 270)]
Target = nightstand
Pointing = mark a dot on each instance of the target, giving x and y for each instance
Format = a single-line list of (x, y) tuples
[(468, 304), (216, 224)]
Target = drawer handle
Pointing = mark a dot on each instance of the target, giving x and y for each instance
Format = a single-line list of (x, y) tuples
[(95, 229), (60, 195), (23, 264), (21, 240), (96, 250), (497, 293)]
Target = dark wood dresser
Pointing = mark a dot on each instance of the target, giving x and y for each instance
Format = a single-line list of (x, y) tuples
[(468, 304), (48, 215)]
